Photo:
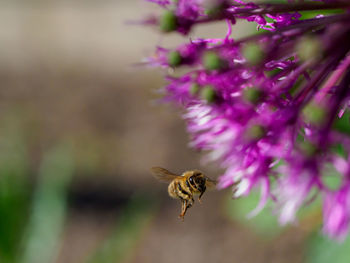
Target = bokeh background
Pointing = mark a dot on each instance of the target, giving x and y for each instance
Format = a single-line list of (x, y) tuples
[(79, 130)]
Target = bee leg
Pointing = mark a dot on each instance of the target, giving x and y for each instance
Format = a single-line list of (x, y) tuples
[(199, 197), (190, 203), (186, 205), (183, 209)]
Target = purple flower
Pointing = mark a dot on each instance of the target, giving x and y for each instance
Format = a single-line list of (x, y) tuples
[(337, 213), (269, 108)]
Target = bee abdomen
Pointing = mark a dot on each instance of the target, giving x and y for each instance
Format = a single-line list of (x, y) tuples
[(183, 192), (178, 190)]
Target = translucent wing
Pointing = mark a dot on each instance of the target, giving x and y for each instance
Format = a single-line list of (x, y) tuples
[(162, 174), (210, 183)]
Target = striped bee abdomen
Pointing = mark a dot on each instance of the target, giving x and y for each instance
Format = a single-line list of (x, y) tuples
[(183, 191)]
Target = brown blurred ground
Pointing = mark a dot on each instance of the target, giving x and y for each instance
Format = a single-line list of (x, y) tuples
[(67, 76)]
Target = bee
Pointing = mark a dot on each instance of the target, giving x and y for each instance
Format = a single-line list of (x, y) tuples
[(184, 186)]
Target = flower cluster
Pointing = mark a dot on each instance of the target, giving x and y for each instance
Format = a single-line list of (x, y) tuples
[(272, 107)]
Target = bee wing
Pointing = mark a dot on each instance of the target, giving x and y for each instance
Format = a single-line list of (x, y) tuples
[(162, 174), (210, 183)]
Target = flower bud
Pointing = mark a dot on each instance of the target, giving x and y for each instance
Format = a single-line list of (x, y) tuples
[(314, 114), (308, 148), (253, 53), (213, 9), (194, 89), (209, 94), (212, 61), (252, 95), (256, 132), (309, 48), (174, 59), (168, 22)]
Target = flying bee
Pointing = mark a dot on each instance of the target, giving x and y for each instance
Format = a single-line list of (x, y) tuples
[(184, 186)]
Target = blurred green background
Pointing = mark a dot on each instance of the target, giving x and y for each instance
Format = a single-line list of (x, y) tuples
[(79, 130)]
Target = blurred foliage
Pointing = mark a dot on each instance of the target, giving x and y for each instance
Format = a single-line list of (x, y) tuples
[(342, 124), (320, 249), (134, 219), (332, 178), (48, 207), (313, 14), (264, 224), (14, 194), (32, 216)]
